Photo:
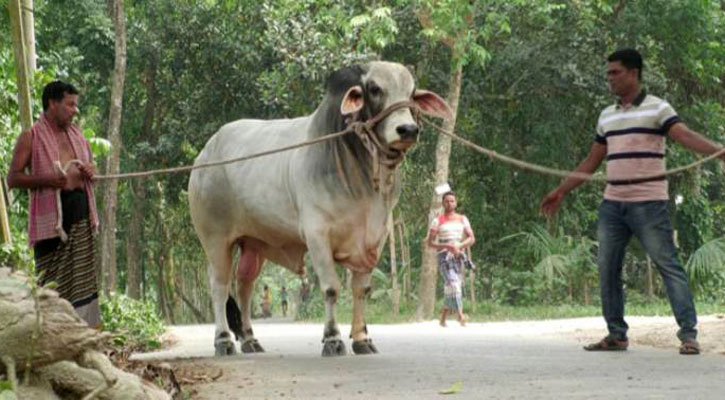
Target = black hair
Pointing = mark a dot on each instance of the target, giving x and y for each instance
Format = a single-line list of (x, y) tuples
[(630, 59), (55, 91), (343, 79), (448, 193)]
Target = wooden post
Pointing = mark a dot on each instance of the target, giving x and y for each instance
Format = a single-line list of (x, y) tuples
[(393, 266)]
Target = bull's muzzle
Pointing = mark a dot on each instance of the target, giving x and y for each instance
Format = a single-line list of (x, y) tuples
[(407, 131), (408, 134)]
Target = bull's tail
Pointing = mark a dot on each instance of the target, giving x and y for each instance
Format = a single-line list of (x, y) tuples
[(234, 317)]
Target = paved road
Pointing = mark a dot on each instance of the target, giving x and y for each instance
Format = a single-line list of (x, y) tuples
[(507, 360)]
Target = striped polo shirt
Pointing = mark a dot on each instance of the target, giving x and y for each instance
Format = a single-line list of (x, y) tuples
[(635, 139)]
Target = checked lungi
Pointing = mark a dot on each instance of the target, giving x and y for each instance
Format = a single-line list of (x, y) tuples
[(451, 268), (71, 264)]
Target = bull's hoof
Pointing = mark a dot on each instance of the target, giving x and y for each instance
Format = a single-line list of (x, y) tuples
[(333, 348), (365, 346), (252, 346), (224, 346)]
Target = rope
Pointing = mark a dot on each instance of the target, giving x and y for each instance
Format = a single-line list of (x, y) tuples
[(362, 129), (218, 163), (365, 131), (566, 174), (58, 204)]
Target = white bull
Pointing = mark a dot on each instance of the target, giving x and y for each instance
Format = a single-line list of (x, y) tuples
[(323, 199)]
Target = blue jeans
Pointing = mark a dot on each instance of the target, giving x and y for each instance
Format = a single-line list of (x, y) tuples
[(650, 222)]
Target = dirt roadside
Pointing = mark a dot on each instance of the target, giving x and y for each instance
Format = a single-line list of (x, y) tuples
[(660, 332)]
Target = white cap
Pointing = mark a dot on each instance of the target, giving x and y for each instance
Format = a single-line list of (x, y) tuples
[(442, 189)]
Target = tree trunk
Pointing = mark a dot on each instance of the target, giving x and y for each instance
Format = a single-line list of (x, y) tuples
[(429, 274), (160, 298), (108, 225), (472, 283), (404, 260), (194, 310), (170, 288), (650, 279), (138, 191), (393, 265), (198, 284), (163, 257), (134, 253), (144, 285)]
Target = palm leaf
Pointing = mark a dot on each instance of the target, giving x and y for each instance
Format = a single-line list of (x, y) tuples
[(707, 262), (552, 266)]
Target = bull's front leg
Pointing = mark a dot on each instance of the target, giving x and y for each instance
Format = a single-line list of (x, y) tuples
[(361, 342), (324, 265)]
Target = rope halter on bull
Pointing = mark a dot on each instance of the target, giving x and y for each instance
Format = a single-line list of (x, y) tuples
[(380, 155)]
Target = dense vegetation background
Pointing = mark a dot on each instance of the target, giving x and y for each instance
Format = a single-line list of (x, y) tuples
[(532, 85)]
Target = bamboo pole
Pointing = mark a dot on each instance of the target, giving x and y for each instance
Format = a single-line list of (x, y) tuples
[(6, 238), (19, 40), (29, 35), (19, 51)]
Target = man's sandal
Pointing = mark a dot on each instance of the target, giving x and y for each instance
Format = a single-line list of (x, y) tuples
[(608, 344), (690, 347)]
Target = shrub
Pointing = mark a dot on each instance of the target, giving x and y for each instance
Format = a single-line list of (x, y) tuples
[(134, 323)]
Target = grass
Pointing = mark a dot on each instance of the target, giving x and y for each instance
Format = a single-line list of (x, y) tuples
[(380, 312)]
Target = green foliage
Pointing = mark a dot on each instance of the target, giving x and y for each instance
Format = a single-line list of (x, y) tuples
[(134, 324), (15, 254), (533, 86), (706, 268), (5, 386), (561, 261)]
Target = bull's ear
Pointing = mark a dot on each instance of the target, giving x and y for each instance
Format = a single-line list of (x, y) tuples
[(353, 101), (432, 104)]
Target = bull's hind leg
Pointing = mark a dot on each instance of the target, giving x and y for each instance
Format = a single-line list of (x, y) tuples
[(219, 269), (250, 265), (361, 343), (330, 284)]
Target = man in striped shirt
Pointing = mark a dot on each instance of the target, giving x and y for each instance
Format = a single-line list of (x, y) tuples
[(631, 135)]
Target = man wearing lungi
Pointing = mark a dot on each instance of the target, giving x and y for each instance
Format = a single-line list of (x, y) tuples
[(450, 234), (62, 215)]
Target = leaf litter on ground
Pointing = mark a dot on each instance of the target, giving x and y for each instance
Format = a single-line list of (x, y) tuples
[(455, 388)]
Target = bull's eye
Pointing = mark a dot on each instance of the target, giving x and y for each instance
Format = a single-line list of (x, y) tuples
[(375, 90)]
